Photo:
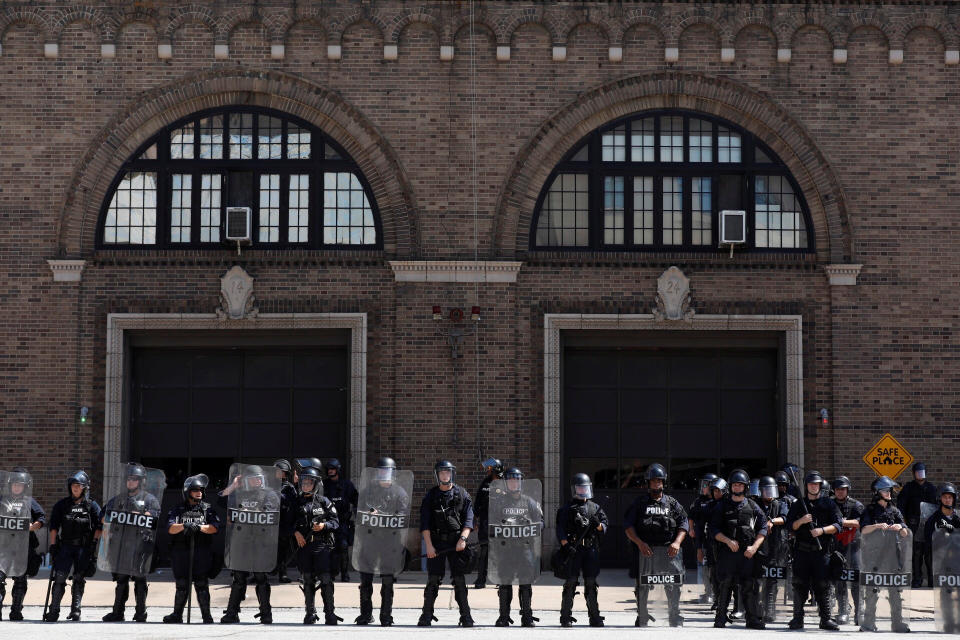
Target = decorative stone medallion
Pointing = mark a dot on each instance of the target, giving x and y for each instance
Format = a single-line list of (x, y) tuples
[(673, 296), (236, 295)]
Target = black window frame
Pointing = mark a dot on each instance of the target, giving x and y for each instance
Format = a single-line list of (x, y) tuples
[(597, 169), (165, 167)]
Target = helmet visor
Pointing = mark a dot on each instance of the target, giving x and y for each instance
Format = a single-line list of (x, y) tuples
[(385, 475), (769, 492), (704, 485), (308, 484), (514, 483), (445, 475), (583, 491)]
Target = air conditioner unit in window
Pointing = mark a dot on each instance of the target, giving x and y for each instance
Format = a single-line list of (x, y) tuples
[(238, 226), (733, 228)]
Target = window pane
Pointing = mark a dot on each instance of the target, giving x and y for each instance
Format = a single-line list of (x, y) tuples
[(241, 136), (347, 215), (728, 145), (701, 140), (565, 212), (181, 197), (211, 187), (211, 138), (642, 140), (582, 155), (613, 210), (269, 138), (643, 210), (701, 208), (614, 144), (150, 153), (269, 218), (298, 142), (671, 139), (778, 217), (299, 210), (672, 210), (181, 143), (131, 219)]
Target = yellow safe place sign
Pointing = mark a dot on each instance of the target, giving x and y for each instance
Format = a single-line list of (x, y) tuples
[(888, 457)]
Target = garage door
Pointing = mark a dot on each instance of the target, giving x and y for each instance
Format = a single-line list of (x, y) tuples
[(693, 410)]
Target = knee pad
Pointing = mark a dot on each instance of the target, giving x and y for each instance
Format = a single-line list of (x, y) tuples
[(60, 577)]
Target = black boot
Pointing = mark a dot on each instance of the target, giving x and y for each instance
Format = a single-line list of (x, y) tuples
[(345, 566), (821, 588), (769, 600), (203, 600), (590, 592), (723, 603), (18, 593), (309, 599), (750, 594), (386, 601), (430, 593), (799, 600), (525, 594), (460, 595), (76, 597), (566, 603), (179, 602), (120, 595), (505, 592), (263, 597), (140, 597), (326, 592), (232, 613), (896, 612), (56, 595), (366, 599)]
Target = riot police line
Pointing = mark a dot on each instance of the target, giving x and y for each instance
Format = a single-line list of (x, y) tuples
[(754, 538)]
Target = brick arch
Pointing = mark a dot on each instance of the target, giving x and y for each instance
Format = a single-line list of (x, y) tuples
[(190, 13), (316, 18), (233, 19), (937, 22), (508, 27), (721, 97), (339, 25), (120, 138), (136, 15), (100, 23), (870, 18), (412, 16), (686, 20), (754, 19), (647, 17), (24, 15)]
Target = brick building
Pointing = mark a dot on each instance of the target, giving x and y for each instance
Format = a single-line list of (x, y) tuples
[(396, 156)]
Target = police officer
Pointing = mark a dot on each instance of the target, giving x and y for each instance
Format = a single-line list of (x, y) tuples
[(783, 488), (697, 522), (791, 471), (253, 495), (446, 519), (288, 503), (911, 496), (315, 533), (881, 515), (580, 523), (391, 499), (138, 500), (192, 525), (343, 494), (945, 518), (740, 527), (851, 510), (74, 535), (656, 520), (523, 510), (15, 504), (718, 489), (774, 547), (481, 508), (814, 520)]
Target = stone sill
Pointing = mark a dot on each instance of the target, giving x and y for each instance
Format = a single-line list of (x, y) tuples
[(666, 259)]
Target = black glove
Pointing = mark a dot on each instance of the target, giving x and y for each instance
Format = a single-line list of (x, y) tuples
[(92, 564), (54, 551), (190, 528), (580, 520), (594, 522), (948, 527)]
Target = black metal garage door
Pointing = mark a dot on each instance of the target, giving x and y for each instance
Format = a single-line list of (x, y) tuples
[(693, 410)]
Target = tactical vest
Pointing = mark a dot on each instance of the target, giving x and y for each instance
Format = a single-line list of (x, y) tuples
[(655, 522), (881, 515), (739, 524), (445, 521), (578, 518), (316, 512), (78, 524)]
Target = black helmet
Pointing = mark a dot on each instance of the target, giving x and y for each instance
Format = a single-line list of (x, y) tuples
[(386, 462), (386, 469), (919, 466), (252, 472), (705, 481), (310, 473), (812, 476), (842, 482), (333, 463), (199, 481), (302, 463), (720, 484), (444, 465), (952, 490), (781, 477), (513, 473), (135, 470), (81, 478), (19, 477), (581, 487), (768, 488), (656, 472), (883, 483), (738, 475), (495, 464), (284, 465)]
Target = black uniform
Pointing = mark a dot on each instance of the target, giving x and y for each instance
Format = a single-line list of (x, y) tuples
[(875, 513), (126, 541), (744, 522), (344, 497), (392, 499), (258, 500), (908, 502), (17, 507), (481, 513), (811, 562), (191, 541), (774, 554), (316, 557), (288, 514), (849, 545), (699, 512), (577, 523), (656, 522), (77, 523), (445, 514), (949, 602)]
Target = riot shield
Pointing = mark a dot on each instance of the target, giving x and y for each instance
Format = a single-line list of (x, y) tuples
[(253, 519), (15, 493), (886, 559), (927, 509), (776, 574), (946, 581), (131, 520), (658, 594), (848, 584), (515, 531), (383, 515)]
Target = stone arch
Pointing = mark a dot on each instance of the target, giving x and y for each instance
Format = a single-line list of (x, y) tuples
[(411, 16), (25, 15), (717, 96), (128, 129)]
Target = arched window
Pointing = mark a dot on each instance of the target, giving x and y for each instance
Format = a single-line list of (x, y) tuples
[(658, 181), (302, 189)]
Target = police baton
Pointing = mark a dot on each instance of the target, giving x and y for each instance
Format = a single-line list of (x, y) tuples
[(803, 502), (46, 600)]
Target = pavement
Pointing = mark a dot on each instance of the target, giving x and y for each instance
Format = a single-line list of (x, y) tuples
[(616, 603)]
